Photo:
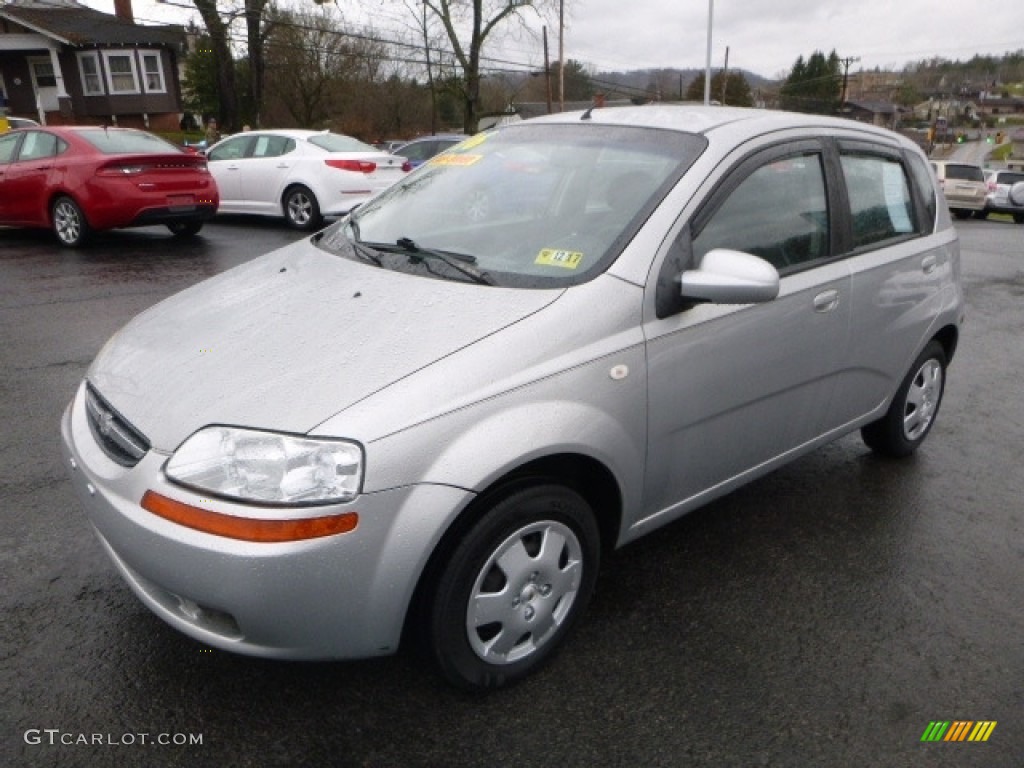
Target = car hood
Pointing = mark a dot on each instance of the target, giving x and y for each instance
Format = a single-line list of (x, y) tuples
[(289, 340)]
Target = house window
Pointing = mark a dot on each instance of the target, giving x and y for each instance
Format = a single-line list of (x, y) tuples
[(121, 72), (43, 71), (152, 71), (89, 68)]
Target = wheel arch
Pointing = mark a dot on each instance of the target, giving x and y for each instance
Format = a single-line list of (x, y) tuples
[(948, 337), (583, 474)]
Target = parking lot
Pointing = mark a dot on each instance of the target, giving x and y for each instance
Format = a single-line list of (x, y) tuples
[(823, 616)]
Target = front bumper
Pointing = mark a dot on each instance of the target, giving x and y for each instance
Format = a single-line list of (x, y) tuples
[(341, 596)]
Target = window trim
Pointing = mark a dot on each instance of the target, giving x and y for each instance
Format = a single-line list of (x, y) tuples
[(94, 57), (118, 53), (144, 73)]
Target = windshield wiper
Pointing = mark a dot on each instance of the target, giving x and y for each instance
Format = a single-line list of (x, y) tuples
[(460, 262), (362, 251)]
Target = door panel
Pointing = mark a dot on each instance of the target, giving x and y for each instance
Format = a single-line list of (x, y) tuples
[(733, 388)]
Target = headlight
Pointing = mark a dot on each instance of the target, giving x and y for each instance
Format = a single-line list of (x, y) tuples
[(267, 467)]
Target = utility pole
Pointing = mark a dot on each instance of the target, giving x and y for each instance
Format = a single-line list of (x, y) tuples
[(846, 71), (547, 69), (707, 64), (561, 55), (725, 74)]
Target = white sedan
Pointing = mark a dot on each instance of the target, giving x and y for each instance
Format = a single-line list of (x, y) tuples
[(301, 175)]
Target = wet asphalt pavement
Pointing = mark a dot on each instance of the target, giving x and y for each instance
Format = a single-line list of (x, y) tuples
[(822, 616)]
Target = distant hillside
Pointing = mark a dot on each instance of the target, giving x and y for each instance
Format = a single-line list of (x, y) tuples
[(666, 83)]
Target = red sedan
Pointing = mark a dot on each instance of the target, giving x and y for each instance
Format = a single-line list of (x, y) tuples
[(76, 180)]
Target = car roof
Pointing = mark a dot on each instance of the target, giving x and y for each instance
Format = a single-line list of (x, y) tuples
[(708, 120)]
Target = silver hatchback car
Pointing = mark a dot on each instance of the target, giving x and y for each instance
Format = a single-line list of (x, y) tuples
[(428, 424)]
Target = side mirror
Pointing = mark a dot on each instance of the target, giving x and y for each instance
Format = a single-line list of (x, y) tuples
[(1017, 193), (730, 277)]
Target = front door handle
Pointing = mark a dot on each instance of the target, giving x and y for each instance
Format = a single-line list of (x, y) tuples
[(826, 301), (928, 264)]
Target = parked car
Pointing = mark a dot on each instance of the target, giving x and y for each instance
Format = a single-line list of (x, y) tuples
[(423, 423), (8, 123), (964, 186), (998, 199), (77, 180), (418, 151), (300, 175)]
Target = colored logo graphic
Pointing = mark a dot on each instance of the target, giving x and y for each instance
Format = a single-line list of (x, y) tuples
[(958, 730)]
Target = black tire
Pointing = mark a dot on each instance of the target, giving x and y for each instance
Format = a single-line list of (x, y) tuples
[(961, 213), (981, 215), (1018, 218), (910, 417), (301, 209), (530, 564), (69, 223), (185, 228)]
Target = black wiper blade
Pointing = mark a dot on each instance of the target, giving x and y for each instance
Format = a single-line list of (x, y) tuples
[(460, 262), (407, 244)]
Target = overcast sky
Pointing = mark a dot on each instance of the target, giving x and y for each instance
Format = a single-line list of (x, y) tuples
[(763, 36)]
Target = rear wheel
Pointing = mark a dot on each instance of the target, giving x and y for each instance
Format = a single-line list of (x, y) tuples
[(69, 224), (513, 587), (961, 213), (913, 410), (301, 209), (1018, 218), (185, 228)]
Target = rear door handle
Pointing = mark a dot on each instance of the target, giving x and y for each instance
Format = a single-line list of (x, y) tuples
[(928, 264), (826, 301)]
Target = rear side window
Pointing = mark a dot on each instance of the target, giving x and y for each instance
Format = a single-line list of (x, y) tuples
[(880, 203), (1009, 178), (38, 145), (964, 172)]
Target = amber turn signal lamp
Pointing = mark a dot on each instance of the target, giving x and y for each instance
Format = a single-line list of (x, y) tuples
[(247, 528)]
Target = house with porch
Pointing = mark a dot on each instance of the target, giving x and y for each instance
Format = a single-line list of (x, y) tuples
[(63, 63)]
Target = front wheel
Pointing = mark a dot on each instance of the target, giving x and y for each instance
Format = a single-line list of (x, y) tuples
[(69, 223), (913, 410), (513, 587), (301, 209)]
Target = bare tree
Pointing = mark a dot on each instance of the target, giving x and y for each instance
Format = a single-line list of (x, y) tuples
[(483, 17)]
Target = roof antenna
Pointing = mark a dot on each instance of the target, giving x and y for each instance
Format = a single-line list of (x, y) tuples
[(586, 115)]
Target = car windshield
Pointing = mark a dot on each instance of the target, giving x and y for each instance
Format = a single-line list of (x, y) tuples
[(336, 142), (121, 142), (530, 205)]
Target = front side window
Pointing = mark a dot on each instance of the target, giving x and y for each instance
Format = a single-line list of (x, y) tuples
[(121, 75), (7, 145), (536, 206), (778, 212), (89, 68), (152, 72), (880, 202)]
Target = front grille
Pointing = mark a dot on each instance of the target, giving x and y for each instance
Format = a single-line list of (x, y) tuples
[(122, 442)]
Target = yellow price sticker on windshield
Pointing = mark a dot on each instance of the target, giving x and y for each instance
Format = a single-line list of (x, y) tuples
[(450, 159), (554, 257)]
